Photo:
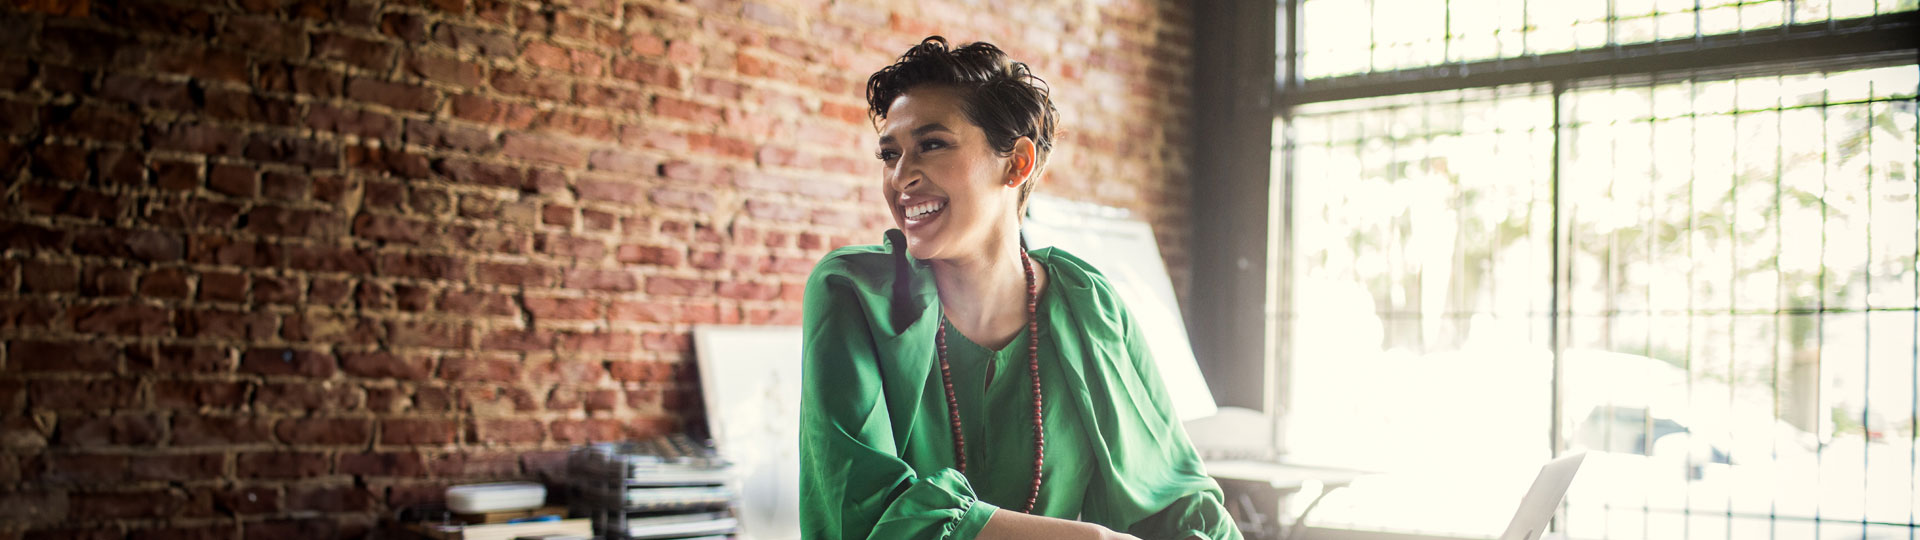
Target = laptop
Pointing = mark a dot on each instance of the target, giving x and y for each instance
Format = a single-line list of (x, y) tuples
[(1536, 509)]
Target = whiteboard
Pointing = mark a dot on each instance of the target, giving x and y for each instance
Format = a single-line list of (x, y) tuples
[(750, 380), (1123, 249)]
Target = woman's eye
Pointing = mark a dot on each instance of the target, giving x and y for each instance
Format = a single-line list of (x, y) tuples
[(886, 155), (932, 145)]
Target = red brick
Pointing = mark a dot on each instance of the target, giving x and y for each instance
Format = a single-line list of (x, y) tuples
[(396, 95), (80, 394), (179, 359), (609, 97), (484, 174), (280, 465), (138, 504), (385, 365), (120, 319), (174, 175), (571, 246), (83, 469), (398, 431), (197, 430), (641, 371), (201, 63), (286, 187), (608, 190), (605, 342), (700, 201), (587, 430), (443, 68), (518, 340), (389, 228), (473, 465), (242, 501), (227, 324), (651, 255), (329, 328), (263, 35), (193, 394), (623, 162), (364, 53), (275, 289), (476, 303), (43, 277), (479, 369), (605, 280), (308, 397), (311, 153), (532, 85), (116, 430), (524, 275), (646, 312), (142, 92), (202, 532), (669, 342), (478, 40), (378, 464), (363, 123), (222, 286), (287, 362), (542, 148), (508, 431), (324, 431), (652, 74), (245, 107), (177, 467), (680, 109), (441, 335), (545, 307), (320, 82)]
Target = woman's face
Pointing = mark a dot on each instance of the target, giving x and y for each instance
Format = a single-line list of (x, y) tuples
[(946, 186)]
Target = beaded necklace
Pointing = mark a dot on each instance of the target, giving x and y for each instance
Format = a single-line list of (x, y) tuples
[(1033, 368)]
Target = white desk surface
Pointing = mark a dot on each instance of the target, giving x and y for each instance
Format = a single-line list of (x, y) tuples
[(1281, 475)]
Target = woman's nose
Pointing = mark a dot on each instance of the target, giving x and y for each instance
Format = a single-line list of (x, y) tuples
[(903, 178)]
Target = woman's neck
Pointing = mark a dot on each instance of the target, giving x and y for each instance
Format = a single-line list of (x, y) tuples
[(985, 297)]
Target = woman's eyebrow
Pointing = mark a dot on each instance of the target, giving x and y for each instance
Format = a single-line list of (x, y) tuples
[(922, 130)]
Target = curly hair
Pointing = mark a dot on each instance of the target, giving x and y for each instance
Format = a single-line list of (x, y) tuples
[(1000, 95)]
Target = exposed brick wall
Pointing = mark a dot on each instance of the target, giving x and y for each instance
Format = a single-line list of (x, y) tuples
[(272, 268)]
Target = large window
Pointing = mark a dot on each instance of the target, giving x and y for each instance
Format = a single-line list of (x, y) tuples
[(1701, 273)]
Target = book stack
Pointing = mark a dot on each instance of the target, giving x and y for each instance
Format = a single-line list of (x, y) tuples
[(663, 488)]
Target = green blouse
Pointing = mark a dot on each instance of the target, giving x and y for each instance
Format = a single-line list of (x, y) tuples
[(876, 447)]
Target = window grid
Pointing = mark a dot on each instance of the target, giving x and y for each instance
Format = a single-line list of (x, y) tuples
[(1407, 34), (1710, 329)]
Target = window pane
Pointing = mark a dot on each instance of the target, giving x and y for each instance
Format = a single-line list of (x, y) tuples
[(1740, 338), (1424, 256), (1348, 37)]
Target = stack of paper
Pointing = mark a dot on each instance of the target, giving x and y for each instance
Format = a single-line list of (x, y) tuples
[(668, 487)]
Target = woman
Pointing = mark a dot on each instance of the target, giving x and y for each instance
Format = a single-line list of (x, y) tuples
[(956, 386)]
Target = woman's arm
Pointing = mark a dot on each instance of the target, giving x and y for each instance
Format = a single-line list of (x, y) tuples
[(1010, 525), (853, 485)]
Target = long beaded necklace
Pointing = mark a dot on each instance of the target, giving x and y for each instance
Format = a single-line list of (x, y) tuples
[(1033, 368)]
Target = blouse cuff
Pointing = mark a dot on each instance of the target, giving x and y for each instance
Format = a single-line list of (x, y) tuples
[(972, 520)]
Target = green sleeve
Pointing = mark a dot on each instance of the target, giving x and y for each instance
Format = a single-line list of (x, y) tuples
[(1153, 481), (853, 485)]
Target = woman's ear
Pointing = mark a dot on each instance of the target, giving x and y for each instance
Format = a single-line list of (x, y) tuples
[(1020, 167)]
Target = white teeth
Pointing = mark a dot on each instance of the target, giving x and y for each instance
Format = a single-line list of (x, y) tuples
[(923, 209)]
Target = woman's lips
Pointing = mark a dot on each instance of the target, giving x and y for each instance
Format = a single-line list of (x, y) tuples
[(921, 213)]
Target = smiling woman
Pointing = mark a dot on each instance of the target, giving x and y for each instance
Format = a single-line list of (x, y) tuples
[(951, 373)]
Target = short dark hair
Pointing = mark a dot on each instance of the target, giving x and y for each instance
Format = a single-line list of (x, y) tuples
[(1000, 95)]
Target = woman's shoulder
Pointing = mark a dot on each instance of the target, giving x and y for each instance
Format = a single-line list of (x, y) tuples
[(853, 261), (1079, 280)]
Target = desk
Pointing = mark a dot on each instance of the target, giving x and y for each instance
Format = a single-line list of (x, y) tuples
[(1254, 490)]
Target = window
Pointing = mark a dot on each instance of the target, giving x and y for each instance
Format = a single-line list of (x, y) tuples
[(1701, 271)]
